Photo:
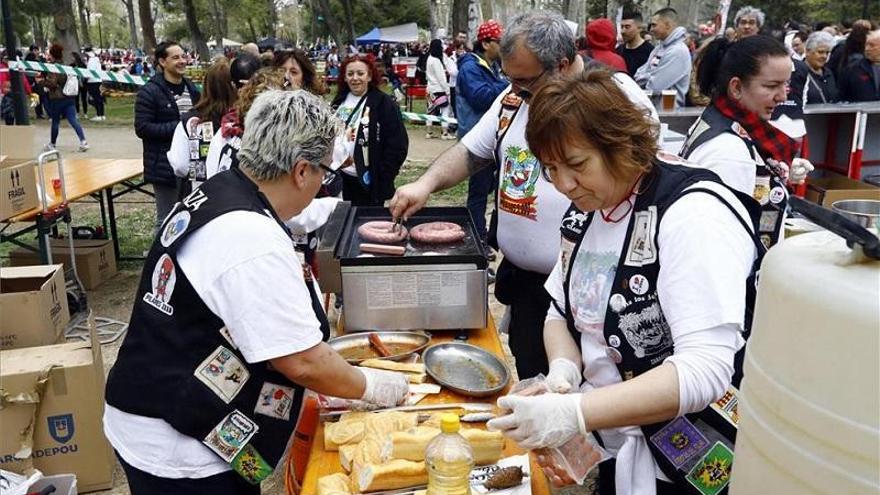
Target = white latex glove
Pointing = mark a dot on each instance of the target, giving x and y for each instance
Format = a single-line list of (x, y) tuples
[(564, 376), (384, 388), (547, 420), (799, 169)]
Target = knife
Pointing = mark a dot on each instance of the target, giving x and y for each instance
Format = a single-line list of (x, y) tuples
[(470, 406)]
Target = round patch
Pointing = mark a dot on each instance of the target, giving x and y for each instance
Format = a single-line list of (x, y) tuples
[(617, 303), (614, 341), (175, 227), (313, 243), (639, 285), (614, 355), (777, 194)]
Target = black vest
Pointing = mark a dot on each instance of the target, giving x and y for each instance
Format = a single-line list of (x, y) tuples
[(638, 336), (770, 191), (179, 363)]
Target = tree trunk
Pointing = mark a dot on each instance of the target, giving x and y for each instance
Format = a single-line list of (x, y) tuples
[(349, 22), (250, 23), (83, 22), (459, 16), (39, 34), (217, 17), (432, 18), (65, 28), (147, 29), (272, 20), (475, 17), (132, 26), (330, 21), (192, 22)]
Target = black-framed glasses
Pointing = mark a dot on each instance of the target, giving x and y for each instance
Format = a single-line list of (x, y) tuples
[(329, 174), (525, 83)]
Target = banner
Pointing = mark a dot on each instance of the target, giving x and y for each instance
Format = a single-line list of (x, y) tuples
[(116, 77)]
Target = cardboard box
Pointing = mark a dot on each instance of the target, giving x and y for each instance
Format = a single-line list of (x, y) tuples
[(18, 187), (835, 187), (68, 437), (95, 258), (17, 141), (33, 302)]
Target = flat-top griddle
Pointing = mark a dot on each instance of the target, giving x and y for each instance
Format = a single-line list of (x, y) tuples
[(468, 250)]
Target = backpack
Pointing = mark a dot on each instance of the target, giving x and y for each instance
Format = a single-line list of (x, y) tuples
[(71, 87)]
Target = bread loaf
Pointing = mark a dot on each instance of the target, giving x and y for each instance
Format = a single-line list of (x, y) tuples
[(384, 364), (391, 475), (342, 433), (411, 444), (334, 484), (346, 455)]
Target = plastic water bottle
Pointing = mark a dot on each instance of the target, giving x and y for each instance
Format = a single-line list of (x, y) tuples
[(449, 459)]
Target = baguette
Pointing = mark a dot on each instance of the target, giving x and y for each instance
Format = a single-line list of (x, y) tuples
[(346, 456), (411, 444), (342, 433), (391, 475), (334, 484), (384, 364)]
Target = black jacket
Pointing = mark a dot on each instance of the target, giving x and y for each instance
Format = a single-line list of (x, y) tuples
[(387, 147), (155, 118), (820, 88), (857, 82)]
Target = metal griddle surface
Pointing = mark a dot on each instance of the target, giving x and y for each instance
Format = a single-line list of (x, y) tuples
[(468, 250)]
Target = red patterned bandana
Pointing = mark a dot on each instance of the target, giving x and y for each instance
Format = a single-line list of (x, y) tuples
[(770, 141), (489, 30), (230, 125)]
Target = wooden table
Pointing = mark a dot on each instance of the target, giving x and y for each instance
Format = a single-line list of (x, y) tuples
[(322, 462), (83, 177)]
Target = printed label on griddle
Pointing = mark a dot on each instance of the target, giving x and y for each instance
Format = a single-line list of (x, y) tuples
[(408, 290)]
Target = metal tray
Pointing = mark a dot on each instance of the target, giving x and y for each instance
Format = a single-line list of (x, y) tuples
[(466, 369), (419, 340), (468, 250)]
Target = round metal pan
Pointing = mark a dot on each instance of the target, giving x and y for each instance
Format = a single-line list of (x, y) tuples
[(417, 340), (466, 369)]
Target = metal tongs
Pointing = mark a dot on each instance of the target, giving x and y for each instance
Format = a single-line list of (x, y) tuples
[(398, 225)]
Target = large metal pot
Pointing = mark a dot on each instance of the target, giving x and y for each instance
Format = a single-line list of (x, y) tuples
[(865, 212)]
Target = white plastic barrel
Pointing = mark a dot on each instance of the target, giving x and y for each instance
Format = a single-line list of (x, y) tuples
[(810, 396)]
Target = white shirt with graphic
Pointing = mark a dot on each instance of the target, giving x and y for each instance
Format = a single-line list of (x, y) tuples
[(345, 142), (705, 257), (256, 286)]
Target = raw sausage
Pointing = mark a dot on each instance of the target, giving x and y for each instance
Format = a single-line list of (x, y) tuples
[(437, 233), (382, 231), (377, 344), (383, 249)]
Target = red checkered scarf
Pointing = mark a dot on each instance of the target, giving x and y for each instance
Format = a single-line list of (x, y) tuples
[(771, 142), (230, 125)]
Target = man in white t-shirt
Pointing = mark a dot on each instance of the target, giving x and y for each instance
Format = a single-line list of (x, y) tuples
[(227, 330), (535, 47)]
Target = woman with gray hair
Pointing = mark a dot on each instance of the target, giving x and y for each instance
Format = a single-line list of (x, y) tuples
[(748, 21), (229, 322), (814, 73)]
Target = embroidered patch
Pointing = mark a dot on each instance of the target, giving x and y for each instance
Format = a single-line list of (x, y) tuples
[(251, 465), (728, 406), (712, 472), (274, 401), (768, 221), (230, 436), (520, 172), (228, 336), (646, 331), (565, 249), (762, 189), (175, 227), (680, 440), (573, 223), (614, 341), (223, 373), (195, 200), (206, 131), (617, 303), (777, 194), (639, 285), (740, 131), (162, 282), (642, 249)]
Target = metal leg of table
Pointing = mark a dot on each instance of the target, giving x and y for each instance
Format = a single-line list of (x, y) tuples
[(111, 211), (103, 213)]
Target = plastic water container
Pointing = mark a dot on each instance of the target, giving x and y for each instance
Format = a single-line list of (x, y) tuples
[(810, 409), (449, 460)]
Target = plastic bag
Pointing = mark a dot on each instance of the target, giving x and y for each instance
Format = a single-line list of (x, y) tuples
[(71, 86), (578, 456)]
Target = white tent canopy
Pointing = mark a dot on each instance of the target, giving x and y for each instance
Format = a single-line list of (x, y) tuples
[(226, 42), (404, 33)]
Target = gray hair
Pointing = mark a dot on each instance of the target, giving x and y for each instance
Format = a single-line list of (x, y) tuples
[(749, 11), (543, 33), (284, 127), (817, 39)]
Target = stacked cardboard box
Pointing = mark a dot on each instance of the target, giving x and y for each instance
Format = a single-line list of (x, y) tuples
[(95, 259)]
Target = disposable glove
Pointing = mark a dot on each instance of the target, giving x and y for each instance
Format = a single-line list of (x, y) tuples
[(564, 376), (384, 388), (547, 420), (799, 169)]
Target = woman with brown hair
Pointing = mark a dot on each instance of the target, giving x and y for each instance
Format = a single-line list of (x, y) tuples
[(62, 103), (193, 135), (369, 159), (299, 71), (648, 295)]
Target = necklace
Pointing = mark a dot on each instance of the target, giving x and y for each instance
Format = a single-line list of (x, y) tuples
[(610, 216)]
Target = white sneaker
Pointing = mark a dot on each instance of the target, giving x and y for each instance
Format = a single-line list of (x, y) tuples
[(430, 135), (447, 137), (49, 147), (96, 118), (83, 145)]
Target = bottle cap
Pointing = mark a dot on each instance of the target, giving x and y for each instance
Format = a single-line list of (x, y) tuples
[(449, 423)]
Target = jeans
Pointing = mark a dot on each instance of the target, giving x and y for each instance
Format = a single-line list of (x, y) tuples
[(480, 186), (66, 108), (94, 91)]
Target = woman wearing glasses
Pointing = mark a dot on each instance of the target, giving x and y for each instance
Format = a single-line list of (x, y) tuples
[(374, 142), (648, 294)]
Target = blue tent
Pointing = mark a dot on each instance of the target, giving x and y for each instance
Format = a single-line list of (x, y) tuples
[(374, 36)]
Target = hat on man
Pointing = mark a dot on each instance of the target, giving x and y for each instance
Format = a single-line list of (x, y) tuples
[(489, 30)]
